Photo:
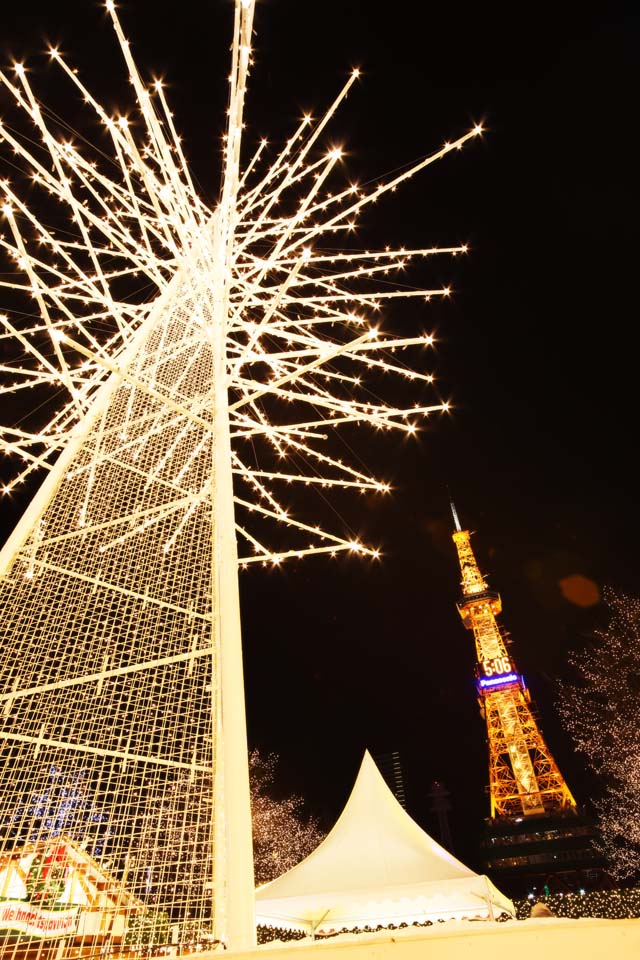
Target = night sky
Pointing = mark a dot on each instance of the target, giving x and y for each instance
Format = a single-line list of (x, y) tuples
[(537, 351)]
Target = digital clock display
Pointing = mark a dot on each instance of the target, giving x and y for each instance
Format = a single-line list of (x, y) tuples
[(496, 667)]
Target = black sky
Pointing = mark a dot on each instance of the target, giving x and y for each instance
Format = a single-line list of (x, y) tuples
[(537, 350)]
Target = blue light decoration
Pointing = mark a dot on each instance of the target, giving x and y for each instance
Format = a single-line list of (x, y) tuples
[(496, 681)]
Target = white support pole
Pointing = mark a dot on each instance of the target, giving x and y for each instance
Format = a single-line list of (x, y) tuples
[(238, 915), (239, 907)]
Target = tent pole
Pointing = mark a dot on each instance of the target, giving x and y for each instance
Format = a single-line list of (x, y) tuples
[(489, 901)]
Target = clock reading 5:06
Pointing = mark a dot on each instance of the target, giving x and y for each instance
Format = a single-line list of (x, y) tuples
[(496, 666)]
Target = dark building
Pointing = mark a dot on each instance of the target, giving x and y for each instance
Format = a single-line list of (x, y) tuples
[(441, 807), (391, 769), (550, 853)]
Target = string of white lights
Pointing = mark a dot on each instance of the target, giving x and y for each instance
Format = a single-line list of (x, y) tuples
[(189, 368)]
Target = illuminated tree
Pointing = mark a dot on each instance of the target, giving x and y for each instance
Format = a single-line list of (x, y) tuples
[(601, 711), (175, 843), (282, 834), (185, 366)]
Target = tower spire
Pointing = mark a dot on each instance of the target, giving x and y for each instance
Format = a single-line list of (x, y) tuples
[(524, 779), (455, 514)]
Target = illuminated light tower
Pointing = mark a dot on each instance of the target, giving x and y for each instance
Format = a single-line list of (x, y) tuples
[(524, 779), (536, 836), (187, 364)]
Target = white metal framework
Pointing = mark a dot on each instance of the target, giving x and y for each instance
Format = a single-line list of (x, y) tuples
[(168, 423)]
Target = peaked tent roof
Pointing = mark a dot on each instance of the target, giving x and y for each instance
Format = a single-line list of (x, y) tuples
[(376, 866)]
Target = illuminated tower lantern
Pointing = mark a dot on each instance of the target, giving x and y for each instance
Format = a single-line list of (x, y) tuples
[(524, 779), (537, 840)]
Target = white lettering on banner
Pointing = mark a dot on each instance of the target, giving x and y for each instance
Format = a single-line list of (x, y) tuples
[(24, 917)]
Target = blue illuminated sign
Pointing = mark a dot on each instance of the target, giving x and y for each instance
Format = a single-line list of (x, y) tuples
[(496, 681)]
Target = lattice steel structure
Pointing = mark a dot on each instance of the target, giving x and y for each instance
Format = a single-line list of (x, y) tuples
[(185, 365), (524, 779)]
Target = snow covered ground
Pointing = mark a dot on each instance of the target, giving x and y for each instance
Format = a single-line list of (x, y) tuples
[(538, 939)]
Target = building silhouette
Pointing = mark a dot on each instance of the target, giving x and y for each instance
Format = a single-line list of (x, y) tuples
[(440, 807), (390, 767)]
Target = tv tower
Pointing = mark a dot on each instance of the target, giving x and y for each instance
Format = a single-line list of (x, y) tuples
[(524, 779), (536, 839)]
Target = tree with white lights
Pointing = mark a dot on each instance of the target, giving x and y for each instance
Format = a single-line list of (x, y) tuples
[(600, 710), (171, 370), (282, 833), (174, 844)]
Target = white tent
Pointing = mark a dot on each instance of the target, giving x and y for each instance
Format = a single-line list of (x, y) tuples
[(376, 867)]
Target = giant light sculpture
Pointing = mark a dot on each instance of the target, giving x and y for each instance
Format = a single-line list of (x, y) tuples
[(183, 366)]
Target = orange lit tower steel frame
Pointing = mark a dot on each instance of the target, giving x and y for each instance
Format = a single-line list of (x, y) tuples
[(524, 779)]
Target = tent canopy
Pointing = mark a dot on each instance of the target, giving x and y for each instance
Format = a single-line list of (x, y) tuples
[(376, 867)]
